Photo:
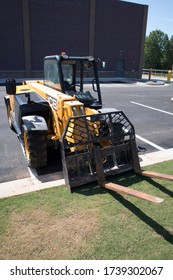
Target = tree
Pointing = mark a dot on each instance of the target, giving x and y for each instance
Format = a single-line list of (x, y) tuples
[(171, 53), (157, 50)]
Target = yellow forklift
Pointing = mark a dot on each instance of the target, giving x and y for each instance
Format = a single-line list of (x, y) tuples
[(64, 111)]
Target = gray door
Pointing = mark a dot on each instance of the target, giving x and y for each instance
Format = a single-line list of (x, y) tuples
[(119, 68)]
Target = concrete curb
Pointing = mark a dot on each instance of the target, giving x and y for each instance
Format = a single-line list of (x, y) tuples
[(27, 185), (156, 157), (32, 184)]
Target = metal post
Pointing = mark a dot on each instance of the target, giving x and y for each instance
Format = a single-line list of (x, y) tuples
[(142, 40), (150, 73), (169, 76), (26, 35), (92, 27)]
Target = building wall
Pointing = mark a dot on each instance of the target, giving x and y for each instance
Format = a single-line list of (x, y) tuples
[(110, 29), (57, 26), (119, 34)]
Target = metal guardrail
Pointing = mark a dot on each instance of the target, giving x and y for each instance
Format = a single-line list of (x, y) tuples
[(166, 74)]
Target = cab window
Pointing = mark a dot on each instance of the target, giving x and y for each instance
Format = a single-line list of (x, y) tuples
[(51, 73), (67, 70)]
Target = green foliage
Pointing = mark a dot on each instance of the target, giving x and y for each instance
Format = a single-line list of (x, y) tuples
[(171, 53), (158, 51)]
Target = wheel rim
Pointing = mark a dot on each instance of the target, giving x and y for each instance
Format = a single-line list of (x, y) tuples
[(26, 144), (9, 116)]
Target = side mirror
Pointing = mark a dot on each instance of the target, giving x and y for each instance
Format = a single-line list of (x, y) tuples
[(103, 64), (11, 86)]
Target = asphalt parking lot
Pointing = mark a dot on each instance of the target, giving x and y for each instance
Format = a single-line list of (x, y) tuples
[(148, 107)]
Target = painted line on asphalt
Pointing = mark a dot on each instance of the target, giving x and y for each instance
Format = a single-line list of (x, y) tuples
[(152, 108), (150, 143)]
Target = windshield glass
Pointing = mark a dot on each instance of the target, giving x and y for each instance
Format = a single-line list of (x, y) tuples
[(67, 70), (51, 74)]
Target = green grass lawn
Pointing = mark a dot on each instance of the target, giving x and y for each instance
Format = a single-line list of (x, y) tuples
[(91, 223)]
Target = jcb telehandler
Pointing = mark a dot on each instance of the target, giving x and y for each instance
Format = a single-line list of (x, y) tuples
[(64, 112)]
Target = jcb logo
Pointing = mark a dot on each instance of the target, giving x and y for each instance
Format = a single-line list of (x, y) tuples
[(52, 102)]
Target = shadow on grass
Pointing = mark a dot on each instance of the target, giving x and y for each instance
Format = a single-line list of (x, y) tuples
[(145, 218), (126, 180), (129, 179), (159, 186)]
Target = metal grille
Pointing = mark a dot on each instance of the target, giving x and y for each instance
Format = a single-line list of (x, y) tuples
[(88, 129), (95, 146)]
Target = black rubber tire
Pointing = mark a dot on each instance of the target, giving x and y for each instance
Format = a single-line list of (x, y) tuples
[(35, 148)]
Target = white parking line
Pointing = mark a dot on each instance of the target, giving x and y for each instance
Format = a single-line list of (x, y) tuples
[(150, 143), (145, 140), (162, 111)]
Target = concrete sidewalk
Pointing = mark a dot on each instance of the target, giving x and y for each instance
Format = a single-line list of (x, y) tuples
[(33, 183), (144, 79)]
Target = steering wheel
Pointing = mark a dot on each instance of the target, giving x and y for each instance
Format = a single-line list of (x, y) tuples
[(73, 86)]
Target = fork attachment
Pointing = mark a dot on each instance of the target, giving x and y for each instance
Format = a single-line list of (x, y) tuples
[(156, 175), (114, 136), (118, 188)]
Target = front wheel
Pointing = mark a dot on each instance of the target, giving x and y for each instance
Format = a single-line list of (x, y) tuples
[(35, 148), (9, 118)]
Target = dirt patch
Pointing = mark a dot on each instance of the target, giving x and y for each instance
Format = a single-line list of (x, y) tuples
[(40, 235)]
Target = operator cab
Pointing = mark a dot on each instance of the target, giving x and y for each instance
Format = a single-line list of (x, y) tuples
[(74, 76)]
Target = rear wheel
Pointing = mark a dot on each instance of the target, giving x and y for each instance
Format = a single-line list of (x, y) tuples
[(35, 148)]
